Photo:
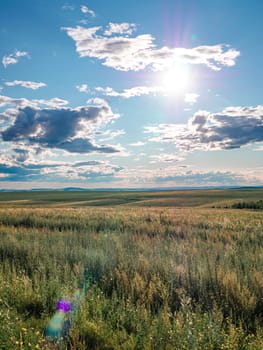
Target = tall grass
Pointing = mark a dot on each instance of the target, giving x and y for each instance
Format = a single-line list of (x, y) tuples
[(164, 279)]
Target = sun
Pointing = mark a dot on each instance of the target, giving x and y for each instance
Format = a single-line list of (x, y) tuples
[(175, 81)]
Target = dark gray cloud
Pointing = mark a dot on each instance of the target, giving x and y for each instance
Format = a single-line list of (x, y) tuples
[(85, 146), (233, 128), (21, 155), (61, 128), (24, 125)]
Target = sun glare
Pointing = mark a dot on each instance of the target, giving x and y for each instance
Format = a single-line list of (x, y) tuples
[(175, 80)]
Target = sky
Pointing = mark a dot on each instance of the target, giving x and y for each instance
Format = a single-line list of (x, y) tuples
[(128, 94)]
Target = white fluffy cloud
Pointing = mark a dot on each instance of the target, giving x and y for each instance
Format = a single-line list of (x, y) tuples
[(13, 58), (120, 28), (132, 92), (54, 102), (136, 53), (233, 128), (27, 84), (18, 102)]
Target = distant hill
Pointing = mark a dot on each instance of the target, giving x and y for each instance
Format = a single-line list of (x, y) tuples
[(151, 189)]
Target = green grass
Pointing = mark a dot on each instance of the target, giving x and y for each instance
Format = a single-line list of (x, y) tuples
[(186, 278), (177, 198), (249, 205)]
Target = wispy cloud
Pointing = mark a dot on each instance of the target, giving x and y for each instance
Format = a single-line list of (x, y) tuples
[(82, 88), (27, 84), (202, 178), (137, 91), (137, 144), (23, 102), (13, 58), (67, 7), (132, 92), (191, 98), (176, 175), (136, 53), (166, 158), (84, 9), (21, 168), (233, 128), (54, 102), (110, 134)]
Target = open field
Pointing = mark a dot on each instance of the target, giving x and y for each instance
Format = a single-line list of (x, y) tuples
[(171, 270), (179, 198)]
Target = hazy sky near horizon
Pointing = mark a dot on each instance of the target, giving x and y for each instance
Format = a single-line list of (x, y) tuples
[(131, 94)]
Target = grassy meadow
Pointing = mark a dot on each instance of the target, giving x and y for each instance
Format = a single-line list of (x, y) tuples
[(179, 270)]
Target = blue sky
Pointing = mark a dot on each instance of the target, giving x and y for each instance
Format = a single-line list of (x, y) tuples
[(131, 94)]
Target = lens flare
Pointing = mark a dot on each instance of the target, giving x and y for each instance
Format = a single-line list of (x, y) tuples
[(64, 305), (55, 326), (175, 80), (67, 308)]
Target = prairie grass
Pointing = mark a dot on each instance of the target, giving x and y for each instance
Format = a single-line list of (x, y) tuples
[(188, 278), (178, 198)]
